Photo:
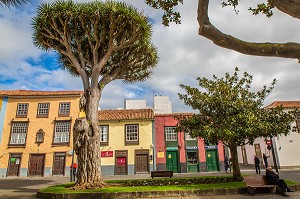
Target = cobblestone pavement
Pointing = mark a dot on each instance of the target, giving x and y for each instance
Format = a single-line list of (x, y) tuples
[(26, 187)]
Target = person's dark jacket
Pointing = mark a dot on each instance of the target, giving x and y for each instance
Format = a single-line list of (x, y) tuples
[(256, 160), (272, 177)]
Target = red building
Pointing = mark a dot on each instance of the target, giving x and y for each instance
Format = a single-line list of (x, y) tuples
[(178, 152)]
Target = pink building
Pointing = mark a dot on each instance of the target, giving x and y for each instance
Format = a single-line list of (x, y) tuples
[(178, 152)]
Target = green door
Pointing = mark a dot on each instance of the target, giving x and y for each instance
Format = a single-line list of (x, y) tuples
[(211, 160), (172, 161)]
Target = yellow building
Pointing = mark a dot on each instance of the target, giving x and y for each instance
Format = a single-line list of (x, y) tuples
[(36, 131), (126, 141)]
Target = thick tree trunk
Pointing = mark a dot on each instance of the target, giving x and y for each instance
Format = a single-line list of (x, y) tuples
[(87, 144), (236, 172)]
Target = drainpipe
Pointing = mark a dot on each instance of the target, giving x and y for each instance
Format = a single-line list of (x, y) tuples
[(153, 146), (71, 168)]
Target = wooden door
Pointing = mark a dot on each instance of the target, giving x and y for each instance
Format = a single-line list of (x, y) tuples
[(121, 166), (14, 163), (36, 164), (172, 161), (211, 160), (59, 164), (141, 163), (244, 154), (121, 163)]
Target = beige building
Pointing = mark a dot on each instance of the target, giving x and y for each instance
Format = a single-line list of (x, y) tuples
[(36, 131), (126, 138)]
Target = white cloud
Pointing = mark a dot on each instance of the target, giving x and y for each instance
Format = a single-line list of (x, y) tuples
[(184, 55)]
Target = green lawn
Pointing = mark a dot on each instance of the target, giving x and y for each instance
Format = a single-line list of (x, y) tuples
[(64, 188)]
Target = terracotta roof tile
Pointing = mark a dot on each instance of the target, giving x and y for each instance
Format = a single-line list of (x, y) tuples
[(173, 114), (125, 114), (285, 104), (21, 93)]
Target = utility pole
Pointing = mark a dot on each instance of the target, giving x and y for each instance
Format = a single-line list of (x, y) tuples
[(274, 155)]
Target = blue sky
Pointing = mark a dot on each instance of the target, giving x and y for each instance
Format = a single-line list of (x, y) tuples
[(184, 55)]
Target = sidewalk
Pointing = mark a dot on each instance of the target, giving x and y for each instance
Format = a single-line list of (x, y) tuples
[(26, 187)]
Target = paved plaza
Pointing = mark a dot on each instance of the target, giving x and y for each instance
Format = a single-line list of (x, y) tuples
[(26, 187)]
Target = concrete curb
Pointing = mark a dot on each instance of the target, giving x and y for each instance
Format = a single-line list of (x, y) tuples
[(148, 194)]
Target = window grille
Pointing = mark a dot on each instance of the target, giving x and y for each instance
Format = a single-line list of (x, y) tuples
[(62, 132), (18, 133), (171, 135)]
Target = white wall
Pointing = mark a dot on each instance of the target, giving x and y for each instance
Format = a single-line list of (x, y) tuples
[(134, 104), (162, 104), (288, 149)]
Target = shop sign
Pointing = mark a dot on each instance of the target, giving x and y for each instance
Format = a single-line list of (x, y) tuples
[(172, 148), (211, 147), (107, 153), (121, 161), (191, 147), (161, 154)]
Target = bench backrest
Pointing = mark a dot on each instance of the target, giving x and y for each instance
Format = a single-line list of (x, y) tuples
[(253, 180)]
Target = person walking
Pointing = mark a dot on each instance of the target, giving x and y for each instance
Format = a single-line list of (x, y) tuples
[(73, 171), (256, 163), (273, 178), (265, 157), (226, 163)]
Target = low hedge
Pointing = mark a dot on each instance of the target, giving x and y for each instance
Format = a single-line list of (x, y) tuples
[(176, 181)]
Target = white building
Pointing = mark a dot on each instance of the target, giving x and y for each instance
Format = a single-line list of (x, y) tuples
[(134, 104), (286, 148), (161, 104)]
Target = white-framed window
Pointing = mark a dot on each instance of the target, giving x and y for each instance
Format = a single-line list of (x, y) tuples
[(64, 108), (18, 133), (43, 109), (189, 137), (62, 132), (171, 134), (103, 135), (22, 109), (132, 133)]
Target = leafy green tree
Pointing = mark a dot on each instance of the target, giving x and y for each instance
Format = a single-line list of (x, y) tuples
[(211, 32), (9, 3), (231, 113), (100, 42)]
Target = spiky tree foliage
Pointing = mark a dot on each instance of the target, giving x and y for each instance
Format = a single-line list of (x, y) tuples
[(231, 113), (211, 32), (10, 3), (100, 42)]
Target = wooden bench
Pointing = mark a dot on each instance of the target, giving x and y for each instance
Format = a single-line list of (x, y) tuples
[(163, 173), (257, 181)]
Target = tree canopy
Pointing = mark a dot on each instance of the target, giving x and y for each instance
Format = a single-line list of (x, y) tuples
[(100, 42), (209, 31), (9, 3), (230, 112)]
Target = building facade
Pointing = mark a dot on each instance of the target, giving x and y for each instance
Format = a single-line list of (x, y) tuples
[(179, 152), (36, 132), (285, 147), (126, 141)]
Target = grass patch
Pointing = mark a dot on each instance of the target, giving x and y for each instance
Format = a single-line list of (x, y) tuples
[(162, 184), (64, 188)]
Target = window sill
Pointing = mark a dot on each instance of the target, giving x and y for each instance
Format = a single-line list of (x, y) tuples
[(42, 116), (63, 115), (61, 144), (103, 143), (131, 143), (16, 146)]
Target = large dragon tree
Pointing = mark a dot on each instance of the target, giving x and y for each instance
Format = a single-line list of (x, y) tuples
[(100, 42)]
